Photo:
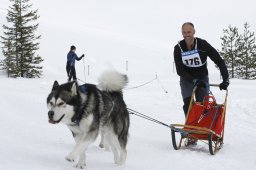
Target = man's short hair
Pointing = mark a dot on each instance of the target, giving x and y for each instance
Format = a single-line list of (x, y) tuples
[(188, 23)]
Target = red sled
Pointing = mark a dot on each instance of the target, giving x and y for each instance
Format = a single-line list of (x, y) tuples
[(205, 122)]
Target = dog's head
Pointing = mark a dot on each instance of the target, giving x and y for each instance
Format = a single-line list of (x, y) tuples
[(61, 102)]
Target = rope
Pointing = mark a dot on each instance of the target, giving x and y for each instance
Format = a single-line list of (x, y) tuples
[(130, 87), (134, 87), (146, 117), (142, 84), (156, 78), (161, 85), (80, 80)]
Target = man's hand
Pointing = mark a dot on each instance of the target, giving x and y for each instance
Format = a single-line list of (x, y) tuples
[(224, 85)]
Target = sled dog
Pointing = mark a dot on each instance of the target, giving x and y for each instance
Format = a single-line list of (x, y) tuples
[(89, 109)]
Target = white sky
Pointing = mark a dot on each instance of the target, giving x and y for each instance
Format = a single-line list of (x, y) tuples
[(151, 20), (146, 29)]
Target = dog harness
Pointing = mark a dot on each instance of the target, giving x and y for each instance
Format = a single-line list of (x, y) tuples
[(83, 88), (191, 58), (76, 119)]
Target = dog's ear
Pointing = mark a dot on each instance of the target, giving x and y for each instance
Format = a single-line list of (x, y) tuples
[(55, 85), (74, 89)]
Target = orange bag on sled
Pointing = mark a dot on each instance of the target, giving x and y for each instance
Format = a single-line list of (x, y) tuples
[(205, 121)]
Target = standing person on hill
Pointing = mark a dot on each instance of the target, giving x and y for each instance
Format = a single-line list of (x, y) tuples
[(70, 67), (190, 56)]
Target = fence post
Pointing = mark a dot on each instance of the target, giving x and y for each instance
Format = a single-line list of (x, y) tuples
[(126, 65), (88, 70)]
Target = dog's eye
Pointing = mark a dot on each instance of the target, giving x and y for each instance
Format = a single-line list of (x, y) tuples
[(61, 104), (51, 103)]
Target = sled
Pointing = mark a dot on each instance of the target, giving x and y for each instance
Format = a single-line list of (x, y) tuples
[(204, 122)]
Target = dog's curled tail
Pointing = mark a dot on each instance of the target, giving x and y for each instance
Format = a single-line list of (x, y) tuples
[(112, 81)]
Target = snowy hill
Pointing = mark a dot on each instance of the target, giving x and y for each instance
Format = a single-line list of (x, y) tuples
[(110, 34)]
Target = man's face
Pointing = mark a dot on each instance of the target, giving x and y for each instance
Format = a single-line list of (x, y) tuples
[(188, 33)]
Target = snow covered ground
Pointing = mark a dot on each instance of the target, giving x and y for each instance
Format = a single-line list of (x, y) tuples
[(29, 142), (111, 34)]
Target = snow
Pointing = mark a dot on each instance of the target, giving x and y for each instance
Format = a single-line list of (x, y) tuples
[(110, 35)]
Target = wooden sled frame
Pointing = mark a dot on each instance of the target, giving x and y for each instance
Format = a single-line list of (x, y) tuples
[(214, 140)]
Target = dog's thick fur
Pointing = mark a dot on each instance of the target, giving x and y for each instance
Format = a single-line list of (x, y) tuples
[(88, 109)]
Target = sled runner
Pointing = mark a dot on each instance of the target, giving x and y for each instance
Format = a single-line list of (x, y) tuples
[(204, 122)]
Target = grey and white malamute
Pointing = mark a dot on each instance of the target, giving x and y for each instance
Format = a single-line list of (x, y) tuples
[(88, 109)]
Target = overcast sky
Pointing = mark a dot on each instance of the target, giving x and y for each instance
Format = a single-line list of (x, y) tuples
[(156, 22)]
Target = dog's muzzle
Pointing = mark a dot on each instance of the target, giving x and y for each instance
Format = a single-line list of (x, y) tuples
[(51, 115)]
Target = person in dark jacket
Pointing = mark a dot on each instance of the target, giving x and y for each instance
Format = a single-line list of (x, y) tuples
[(190, 56), (70, 67)]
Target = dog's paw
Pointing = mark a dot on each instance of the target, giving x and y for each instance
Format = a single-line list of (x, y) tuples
[(80, 166), (117, 161), (70, 158)]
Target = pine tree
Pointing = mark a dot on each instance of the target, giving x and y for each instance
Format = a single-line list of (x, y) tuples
[(20, 41), (8, 63), (229, 44), (246, 58)]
